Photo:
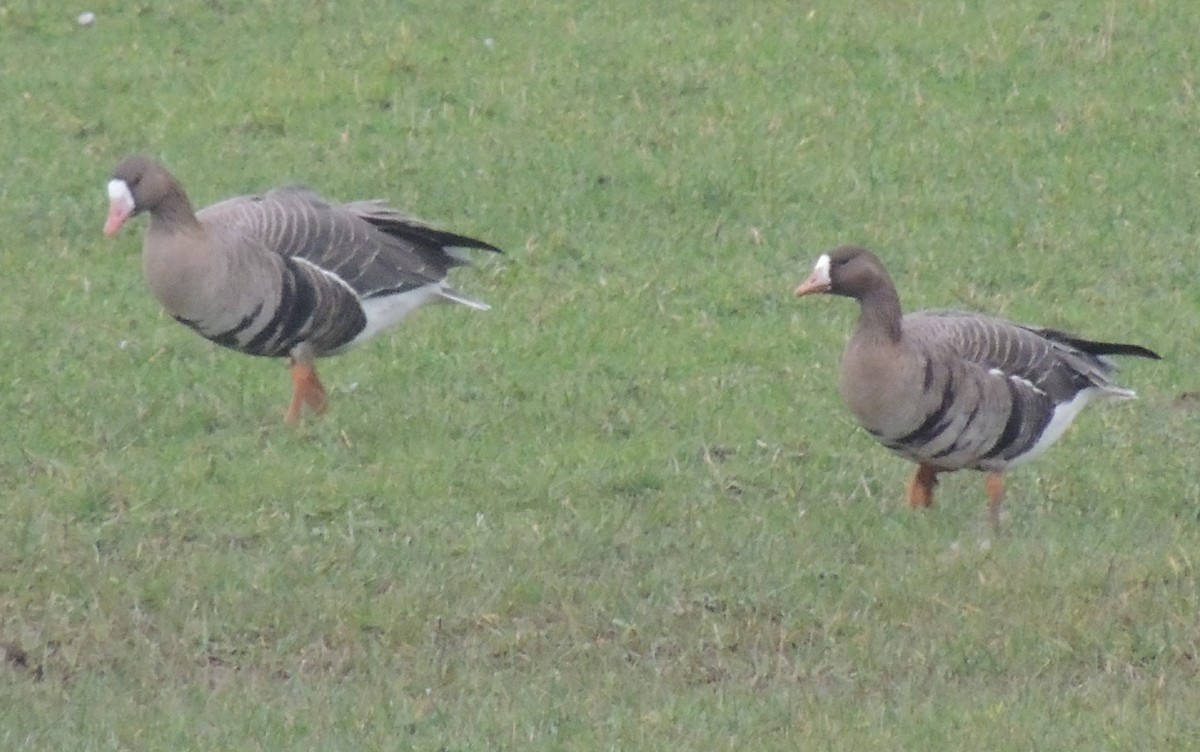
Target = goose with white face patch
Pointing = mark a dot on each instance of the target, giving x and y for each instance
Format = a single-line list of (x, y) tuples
[(285, 273), (952, 390)]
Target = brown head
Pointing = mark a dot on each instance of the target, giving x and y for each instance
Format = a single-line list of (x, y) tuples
[(850, 271), (141, 184), (857, 273)]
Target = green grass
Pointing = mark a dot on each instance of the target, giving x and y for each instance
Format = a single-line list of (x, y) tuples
[(625, 509)]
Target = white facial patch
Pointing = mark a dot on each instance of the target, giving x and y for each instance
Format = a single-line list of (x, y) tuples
[(120, 206), (118, 193), (821, 269)]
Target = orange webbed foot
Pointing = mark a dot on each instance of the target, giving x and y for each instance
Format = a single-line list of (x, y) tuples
[(306, 390), (995, 492), (920, 488)]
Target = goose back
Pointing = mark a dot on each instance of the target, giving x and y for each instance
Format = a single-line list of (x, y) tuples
[(374, 249), (1051, 361)]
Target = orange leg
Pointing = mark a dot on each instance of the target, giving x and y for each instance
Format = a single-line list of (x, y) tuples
[(306, 390), (920, 488), (995, 492)]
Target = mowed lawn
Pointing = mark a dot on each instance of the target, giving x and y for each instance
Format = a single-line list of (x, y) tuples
[(625, 509)]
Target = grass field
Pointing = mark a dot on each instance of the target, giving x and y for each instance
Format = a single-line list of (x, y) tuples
[(625, 509)]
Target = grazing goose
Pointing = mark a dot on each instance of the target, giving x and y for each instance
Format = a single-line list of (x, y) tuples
[(952, 390), (285, 273)]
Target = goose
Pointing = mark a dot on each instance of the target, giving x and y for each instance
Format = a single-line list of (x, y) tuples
[(285, 273), (952, 390)]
